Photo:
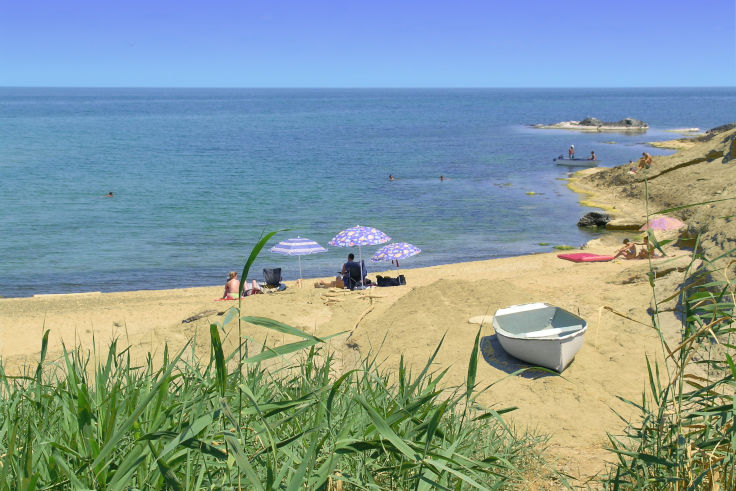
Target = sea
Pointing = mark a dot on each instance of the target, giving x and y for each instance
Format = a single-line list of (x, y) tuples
[(199, 175)]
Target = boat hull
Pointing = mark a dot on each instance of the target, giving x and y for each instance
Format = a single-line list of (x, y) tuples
[(525, 333), (548, 353), (577, 162)]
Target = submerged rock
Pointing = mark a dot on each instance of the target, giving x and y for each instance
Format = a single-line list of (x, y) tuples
[(594, 219)]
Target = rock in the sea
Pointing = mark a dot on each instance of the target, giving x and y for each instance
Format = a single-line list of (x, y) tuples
[(594, 219), (591, 122), (632, 123), (624, 123)]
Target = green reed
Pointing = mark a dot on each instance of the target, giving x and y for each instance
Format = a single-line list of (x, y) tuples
[(684, 436), (283, 418), (178, 424)]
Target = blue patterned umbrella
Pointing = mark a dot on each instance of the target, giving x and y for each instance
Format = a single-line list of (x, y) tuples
[(395, 251), (359, 236), (298, 247)]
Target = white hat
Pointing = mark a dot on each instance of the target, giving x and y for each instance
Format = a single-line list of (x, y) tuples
[(572, 146)]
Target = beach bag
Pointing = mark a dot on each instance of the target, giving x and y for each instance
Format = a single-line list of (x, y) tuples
[(388, 281)]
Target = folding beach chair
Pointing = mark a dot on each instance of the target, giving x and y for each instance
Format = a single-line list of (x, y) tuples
[(272, 280), (353, 278)]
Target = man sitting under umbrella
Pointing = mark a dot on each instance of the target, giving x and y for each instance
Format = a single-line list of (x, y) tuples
[(353, 273), (350, 275)]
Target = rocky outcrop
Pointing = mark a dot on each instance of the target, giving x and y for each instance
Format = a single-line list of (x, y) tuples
[(624, 123), (595, 124), (591, 122), (697, 185), (594, 219)]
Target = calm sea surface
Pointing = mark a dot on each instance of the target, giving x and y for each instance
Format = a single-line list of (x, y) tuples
[(199, 174)]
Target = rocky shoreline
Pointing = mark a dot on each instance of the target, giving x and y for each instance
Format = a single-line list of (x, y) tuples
[(702, 173), (596, 125)]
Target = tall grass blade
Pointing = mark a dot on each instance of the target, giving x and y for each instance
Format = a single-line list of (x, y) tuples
[(286, 349), (279, 327), (220, 368), (385, 431), (472, 366), (242, 461), (128, 423)]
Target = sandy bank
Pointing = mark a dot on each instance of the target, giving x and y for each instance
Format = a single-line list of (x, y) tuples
[(410, 321)]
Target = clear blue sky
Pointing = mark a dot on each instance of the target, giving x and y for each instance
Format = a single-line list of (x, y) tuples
[(368, 43)]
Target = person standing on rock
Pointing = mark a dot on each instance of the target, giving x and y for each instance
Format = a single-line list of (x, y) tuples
[(571, 152)]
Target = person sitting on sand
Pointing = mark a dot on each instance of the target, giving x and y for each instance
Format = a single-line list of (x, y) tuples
[(644, 161), (592, 156), (647, 249), (627, 251), (233, 286)]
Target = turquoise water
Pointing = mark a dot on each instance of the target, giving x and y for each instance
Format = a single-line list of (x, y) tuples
[(199, 174)]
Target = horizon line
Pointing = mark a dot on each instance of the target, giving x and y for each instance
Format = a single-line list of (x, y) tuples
[(430, 87)]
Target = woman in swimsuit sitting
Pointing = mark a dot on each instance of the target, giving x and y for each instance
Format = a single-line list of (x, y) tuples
[(628, 250), (233, 286)]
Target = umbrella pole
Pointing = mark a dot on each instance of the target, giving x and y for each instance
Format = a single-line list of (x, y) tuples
[(360, 255), (300, 270)]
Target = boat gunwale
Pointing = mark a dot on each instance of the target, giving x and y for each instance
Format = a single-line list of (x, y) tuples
[(520, 308)]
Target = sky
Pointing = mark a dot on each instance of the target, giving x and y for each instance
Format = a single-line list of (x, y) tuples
[(368, 43)]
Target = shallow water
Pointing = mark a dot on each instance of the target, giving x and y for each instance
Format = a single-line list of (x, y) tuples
[(199, 174)]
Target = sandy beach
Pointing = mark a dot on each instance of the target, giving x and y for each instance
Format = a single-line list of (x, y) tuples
[(575, 409)]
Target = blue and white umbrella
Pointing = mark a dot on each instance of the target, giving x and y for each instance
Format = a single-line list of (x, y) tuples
[(298, 247), (395, 251), (359, 236)]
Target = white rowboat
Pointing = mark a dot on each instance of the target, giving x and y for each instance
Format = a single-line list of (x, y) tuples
[(540, 334)]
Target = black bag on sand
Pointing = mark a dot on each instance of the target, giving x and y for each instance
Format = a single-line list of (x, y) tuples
[(388, 281)]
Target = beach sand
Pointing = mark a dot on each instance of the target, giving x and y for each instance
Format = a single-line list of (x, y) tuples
[(575, 409)]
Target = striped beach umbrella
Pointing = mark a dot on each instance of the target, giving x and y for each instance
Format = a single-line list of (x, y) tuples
[(359, 236), (300, 246), (395, 251)]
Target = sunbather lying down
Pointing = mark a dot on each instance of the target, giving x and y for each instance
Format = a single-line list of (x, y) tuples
[(336, 283)]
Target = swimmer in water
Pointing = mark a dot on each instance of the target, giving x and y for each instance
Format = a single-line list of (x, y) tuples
[(390, 177), (108, 195)]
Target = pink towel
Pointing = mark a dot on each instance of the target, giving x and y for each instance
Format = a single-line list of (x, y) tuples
[(584, 257)]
